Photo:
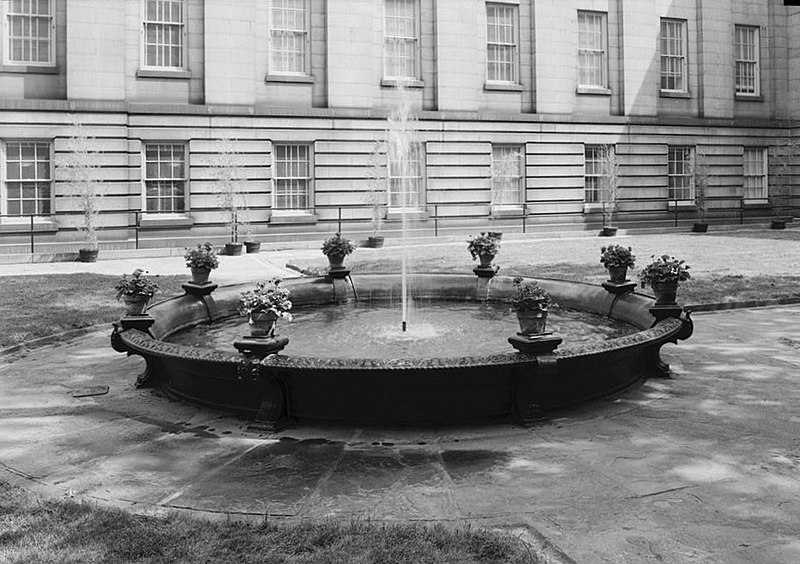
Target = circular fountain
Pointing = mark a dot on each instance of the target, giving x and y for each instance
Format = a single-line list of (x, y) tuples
[(416, 388)]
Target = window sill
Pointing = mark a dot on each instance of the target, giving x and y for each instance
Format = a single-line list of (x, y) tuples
[(167, 221), (293, 218), (29, 69), (502, 87), (404, 82), (686, 205), (593, 91), (508, 210), (749, 98), (297, 78), (164, 73), (755, 203), (674, 94), (23, 225)]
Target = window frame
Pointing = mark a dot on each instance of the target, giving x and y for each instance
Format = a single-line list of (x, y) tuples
[(421, 160), (6, 37), (143, 40), (306, 42), (673, 189), (185, 179), (763, 175), (387, 76), (309, 179), (514, 9), (738, 60), (597, 173), (684, 57), (519, 178), (603, 16), (4, 181)]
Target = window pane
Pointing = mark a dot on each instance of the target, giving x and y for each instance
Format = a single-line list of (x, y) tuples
[(292, 178), (165, 184)]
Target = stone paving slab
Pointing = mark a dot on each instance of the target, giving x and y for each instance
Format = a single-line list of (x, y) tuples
[(703, 467)]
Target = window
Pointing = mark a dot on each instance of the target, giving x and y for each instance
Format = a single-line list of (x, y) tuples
[(406, 181), (592, 49), (673, 55), (28, 179), (507, 174), (755, 173), (29, 27), (165, 178), (593, 176), (163, 34), (748, 79), (679, 170), (400, 42), (289, 37), (292, 177), (501, 43)]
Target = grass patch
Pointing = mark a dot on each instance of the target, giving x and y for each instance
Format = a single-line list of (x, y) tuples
[(63, 531), (42, 305)]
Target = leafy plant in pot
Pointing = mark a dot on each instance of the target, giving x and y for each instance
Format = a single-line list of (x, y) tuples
[(136, 291), (617, 260), (663, 275), (484, 247), (336, 248), (78, 166), (202, 259), (531, 303), (780, 190), (264, 306), (700, 177)]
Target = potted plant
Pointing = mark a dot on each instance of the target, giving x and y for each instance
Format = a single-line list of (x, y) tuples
[(264, 306), (609, 189), (663, 276), (617, 260), (136, 291), (231, 195), (484, 247), (780, 193), (700, 176), (531, 302), (336, 248), (78, 165), (201, 260)]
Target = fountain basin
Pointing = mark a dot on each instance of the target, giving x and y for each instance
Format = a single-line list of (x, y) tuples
[(409, 391)]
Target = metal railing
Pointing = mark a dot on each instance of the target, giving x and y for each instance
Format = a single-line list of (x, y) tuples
[(429, 219)]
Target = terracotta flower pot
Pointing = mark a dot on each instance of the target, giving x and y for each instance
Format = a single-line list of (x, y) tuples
[(87, 255), (200, 275), (252, 246), (700, 228), (375, 242), (617, 274), (777, 224), (486, 260), (233, 249), (666, 292), (336, 262), (135, 304), (262, 323), (532, 322), (608, 232)]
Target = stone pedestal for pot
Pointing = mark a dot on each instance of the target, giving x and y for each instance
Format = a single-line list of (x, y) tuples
[(485, 268), (139, 322), (535, 344), (336, 268), (199, 289), (260, 347)]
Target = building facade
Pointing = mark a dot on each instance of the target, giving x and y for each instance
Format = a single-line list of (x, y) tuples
[(517, 103)]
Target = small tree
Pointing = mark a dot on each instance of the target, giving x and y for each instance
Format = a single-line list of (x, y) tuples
[(701, 174), (609, 183), (780, 191), (78, 167), (376, 197), (231, 181)]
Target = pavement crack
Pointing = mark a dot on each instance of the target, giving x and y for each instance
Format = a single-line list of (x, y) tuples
[(660, 492)]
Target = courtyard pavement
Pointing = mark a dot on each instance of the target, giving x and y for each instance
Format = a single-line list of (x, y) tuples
[(702, 467)]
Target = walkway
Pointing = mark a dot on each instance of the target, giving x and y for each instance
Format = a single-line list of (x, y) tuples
[(704, 467)]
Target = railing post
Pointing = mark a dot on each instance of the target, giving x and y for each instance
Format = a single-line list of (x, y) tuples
[(524, 217), (436, 220), (31, 234), (340, 220)]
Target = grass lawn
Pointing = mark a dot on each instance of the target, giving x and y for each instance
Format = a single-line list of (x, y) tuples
[(63, 531)]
